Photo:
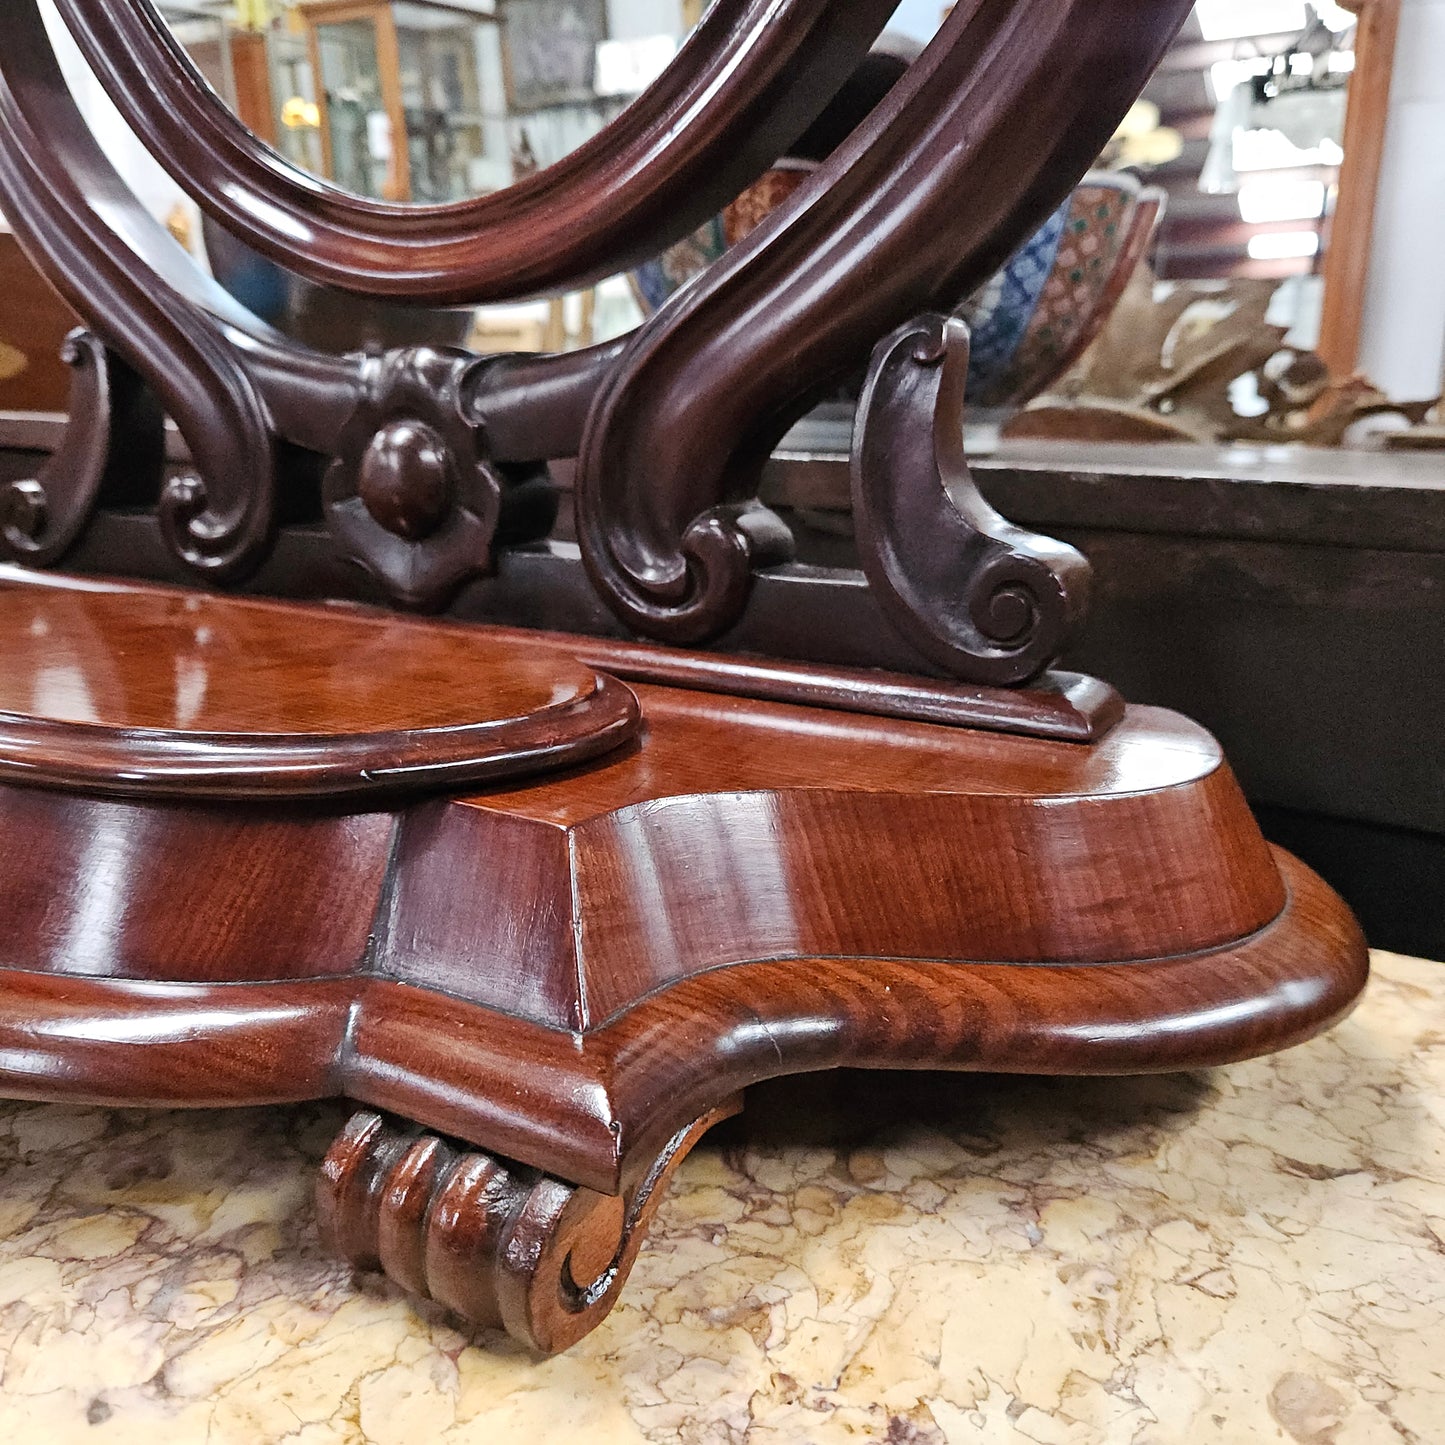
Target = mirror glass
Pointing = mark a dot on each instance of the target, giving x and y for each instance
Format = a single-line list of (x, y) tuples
[(429, 101)]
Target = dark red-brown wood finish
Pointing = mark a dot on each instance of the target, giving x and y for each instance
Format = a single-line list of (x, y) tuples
[(550, 902), (153, 693), (967, 155), (494, 1242), (567, 974), (434, 452)]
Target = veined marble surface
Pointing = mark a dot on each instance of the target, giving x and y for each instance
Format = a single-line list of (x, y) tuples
[(1255, 1254)]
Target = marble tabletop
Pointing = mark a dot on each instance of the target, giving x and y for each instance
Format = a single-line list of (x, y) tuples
[(1249, 1255)]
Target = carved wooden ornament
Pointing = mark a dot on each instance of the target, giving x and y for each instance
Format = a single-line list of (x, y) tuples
[(431, 455), (553, 982)]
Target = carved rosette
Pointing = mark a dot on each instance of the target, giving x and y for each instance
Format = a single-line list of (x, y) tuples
[(409, 495), (499, 1244)]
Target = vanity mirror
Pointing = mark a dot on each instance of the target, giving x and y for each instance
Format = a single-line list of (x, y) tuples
[(430, 101), (523, 119)]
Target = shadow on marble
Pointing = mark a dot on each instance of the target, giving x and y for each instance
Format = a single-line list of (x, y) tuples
[(1256, 1253)]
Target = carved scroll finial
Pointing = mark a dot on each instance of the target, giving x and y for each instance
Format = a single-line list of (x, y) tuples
[(687, 588), (974, 146), (499, 1244), (41, 516), (980, 597)]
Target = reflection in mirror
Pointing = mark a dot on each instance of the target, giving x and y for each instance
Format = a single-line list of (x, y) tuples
[(425, 102), (429, 101)]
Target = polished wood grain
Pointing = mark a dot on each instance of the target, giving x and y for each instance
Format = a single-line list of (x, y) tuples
[(492, 1241), (714, 843), (138, 1043), (1064, 705), (518, 933), (125, 691), (107, 888), (556, 985), (593, 1107), (596, 1105), (558, 981)]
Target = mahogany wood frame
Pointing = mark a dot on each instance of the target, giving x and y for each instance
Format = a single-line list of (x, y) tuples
[(665, 164), (554, 985), (673, 874), (669, 427)]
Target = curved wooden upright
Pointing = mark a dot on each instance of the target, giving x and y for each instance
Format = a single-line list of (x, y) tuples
[(547, 926), (972, 149)]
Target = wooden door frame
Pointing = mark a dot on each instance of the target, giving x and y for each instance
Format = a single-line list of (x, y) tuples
[(251, 80), (1352, 227), (314, 14)]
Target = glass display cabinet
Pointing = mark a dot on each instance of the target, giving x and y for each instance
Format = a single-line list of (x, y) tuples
[(428, 102)]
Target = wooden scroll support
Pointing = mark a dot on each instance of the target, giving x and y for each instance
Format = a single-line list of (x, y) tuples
[(497, 1244), (925, 532), (41, 516), (545, 905)]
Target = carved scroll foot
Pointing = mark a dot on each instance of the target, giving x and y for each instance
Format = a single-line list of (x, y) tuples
[(495, 1242)]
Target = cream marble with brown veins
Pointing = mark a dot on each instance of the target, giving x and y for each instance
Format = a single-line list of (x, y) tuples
[(1256, 1254)]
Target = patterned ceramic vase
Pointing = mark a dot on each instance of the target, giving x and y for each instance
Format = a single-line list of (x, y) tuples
[(654, 281), (1033, 319), (1029, 322)]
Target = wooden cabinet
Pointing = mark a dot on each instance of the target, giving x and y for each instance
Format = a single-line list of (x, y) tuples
[(33, 324)]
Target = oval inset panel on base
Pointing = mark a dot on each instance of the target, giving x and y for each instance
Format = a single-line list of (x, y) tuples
[(111, 689)]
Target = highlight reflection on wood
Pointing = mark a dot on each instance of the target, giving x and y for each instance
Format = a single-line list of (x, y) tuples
[(131, 691), (554, 982)]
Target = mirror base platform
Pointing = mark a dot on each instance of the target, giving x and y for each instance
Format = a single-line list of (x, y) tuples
[(545, 927)]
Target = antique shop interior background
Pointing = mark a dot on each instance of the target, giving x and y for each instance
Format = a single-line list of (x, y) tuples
[(1271, 224)]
